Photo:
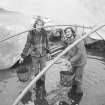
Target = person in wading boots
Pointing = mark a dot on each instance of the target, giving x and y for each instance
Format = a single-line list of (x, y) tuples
[(37, 41), (77, 58)]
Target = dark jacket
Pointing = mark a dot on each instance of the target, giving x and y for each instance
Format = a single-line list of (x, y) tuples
[(37, 42)]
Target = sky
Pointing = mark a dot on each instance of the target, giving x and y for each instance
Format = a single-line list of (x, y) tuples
[(61, 11), (65, 11)]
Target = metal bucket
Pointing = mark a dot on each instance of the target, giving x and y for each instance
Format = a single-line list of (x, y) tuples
[(66, 78), (23, 73)]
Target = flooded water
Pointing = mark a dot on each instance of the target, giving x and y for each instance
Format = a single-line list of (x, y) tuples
[(94, 81)]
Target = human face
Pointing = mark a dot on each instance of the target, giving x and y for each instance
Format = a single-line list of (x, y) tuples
[(39, 25), (57, 34), (68, 33)]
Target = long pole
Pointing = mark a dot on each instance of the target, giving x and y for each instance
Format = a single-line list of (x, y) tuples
[(52, 62), (43, 27)]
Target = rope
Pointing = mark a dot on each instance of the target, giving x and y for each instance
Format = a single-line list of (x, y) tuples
[(100, 36)]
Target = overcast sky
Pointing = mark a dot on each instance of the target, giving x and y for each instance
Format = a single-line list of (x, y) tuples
[(65, 11), (39, 6), (83, 12), (60, 10)]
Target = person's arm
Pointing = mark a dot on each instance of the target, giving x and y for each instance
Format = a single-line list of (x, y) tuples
[(47, 47), (47, 44), (27, 46)]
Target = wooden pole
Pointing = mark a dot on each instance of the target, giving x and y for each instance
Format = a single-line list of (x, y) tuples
[(53, 61)]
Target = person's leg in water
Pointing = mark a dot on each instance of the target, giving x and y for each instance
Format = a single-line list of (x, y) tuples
[(42, 65), (30, 95), (35, 71), (40, 86), (38, 65), (76, 92), (35, 65)]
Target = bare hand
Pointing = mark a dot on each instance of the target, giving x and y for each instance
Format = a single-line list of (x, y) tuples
[(21, 60), (67, 63)]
